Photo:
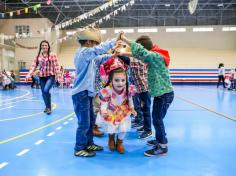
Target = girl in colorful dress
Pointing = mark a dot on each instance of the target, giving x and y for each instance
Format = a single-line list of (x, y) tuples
[(116, 104)]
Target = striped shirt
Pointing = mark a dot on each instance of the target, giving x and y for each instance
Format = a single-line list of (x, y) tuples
[(46, 66)]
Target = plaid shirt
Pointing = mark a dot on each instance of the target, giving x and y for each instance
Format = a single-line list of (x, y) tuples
[(46, 66), (138, 71)]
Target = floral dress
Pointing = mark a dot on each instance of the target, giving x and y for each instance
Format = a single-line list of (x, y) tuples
[(118, 107)]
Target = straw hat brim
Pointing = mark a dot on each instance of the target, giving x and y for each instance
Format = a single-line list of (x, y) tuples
[(93, 34)]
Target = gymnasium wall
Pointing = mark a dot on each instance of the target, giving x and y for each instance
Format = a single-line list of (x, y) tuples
[(187, 50)]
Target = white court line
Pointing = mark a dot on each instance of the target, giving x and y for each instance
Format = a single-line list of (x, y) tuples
[(8, 107), (51, 134), (39, 142), (2, 165), (23, 152), (27, 93), (14, 102), (65, 123), (71, 118), (58, 128)]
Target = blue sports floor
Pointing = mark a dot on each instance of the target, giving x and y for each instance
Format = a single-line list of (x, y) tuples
[(200, 125)]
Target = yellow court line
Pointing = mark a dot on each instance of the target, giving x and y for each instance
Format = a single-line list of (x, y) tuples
[(208, 109), (36, 129), (54, 106)]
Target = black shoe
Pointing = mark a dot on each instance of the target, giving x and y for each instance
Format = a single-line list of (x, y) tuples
[(156, 151), (137, 125), (140, 130), (84, 153), (45, 110), (152, 142), (48, 112), (94, 147), (145, 135)]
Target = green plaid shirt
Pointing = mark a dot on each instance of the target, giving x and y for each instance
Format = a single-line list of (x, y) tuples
[(158, 74)]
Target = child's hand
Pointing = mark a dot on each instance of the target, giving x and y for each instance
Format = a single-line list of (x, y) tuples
[(133, 112), (104, 113)]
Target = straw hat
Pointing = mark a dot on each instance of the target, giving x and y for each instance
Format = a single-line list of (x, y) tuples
[(89, 33)]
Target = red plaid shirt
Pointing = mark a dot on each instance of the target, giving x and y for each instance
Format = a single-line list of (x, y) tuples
[(46, 66), (138, 71)]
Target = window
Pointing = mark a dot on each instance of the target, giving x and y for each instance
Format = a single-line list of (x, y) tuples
[(22, 29)]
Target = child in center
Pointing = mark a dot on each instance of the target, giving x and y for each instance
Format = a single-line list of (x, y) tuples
[(116, 104)]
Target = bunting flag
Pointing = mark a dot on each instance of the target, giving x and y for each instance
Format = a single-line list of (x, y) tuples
[(18, 11), (26, 10)]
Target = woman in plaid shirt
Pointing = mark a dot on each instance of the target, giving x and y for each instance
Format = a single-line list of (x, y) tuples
[(46, 66)]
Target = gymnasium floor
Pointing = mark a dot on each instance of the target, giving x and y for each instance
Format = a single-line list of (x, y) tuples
[(200, 125)]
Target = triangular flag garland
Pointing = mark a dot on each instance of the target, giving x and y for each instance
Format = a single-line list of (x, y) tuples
[(19, 11)]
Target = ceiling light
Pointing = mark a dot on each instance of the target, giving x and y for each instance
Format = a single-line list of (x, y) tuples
[(167, 5), (229, 29), (124, 30), (147, 30), (175, 29), (220, 5), (203, 29)]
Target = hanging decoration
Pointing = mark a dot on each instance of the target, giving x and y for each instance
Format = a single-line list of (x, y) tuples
[(101, 20), (192, 5), (87, 14), (19, 11), (26, 47)]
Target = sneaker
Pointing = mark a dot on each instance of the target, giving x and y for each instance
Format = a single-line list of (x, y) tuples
[(140, 130), (137, 125), (45, 110), (145, 134), (152, 142), (94, 147), (156, 151), (84, 153), (48, 112)]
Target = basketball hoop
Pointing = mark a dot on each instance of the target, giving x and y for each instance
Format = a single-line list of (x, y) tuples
[(192, 5)]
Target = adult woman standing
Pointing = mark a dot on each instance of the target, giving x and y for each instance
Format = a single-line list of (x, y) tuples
[(221, 74), (46, 67)]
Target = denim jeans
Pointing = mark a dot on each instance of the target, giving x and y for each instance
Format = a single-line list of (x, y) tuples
[(83, 107), (46, 84), (137, 106), (145, 100), (160, 107)]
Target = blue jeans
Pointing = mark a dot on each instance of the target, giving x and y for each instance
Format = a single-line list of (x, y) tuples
[(83, 107), (46, 84), (160, 107), (137, 106), (145, 100)]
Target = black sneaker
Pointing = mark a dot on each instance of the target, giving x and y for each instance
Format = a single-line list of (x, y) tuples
[(156, 151), (145, 135), (152, 142), (48, 112), (84, 153), (137, 125), (45, 110), (94, 147), (140, 130)]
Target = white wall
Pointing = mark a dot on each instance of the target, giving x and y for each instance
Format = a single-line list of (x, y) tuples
[(187, 50)]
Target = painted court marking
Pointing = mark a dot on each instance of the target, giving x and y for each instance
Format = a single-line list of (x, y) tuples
[(4, 164), (36, 129), (21, 153), (208, 109)]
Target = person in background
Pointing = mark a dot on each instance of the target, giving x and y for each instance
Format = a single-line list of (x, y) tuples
[(46, 66), (221, 75)]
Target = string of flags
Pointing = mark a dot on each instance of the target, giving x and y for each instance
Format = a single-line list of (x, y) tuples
[(101, 20), (20, 11)]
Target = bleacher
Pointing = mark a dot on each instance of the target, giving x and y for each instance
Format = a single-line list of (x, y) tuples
[(178, 76)]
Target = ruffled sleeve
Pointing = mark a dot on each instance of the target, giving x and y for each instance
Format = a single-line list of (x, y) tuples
[(105, 96)]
